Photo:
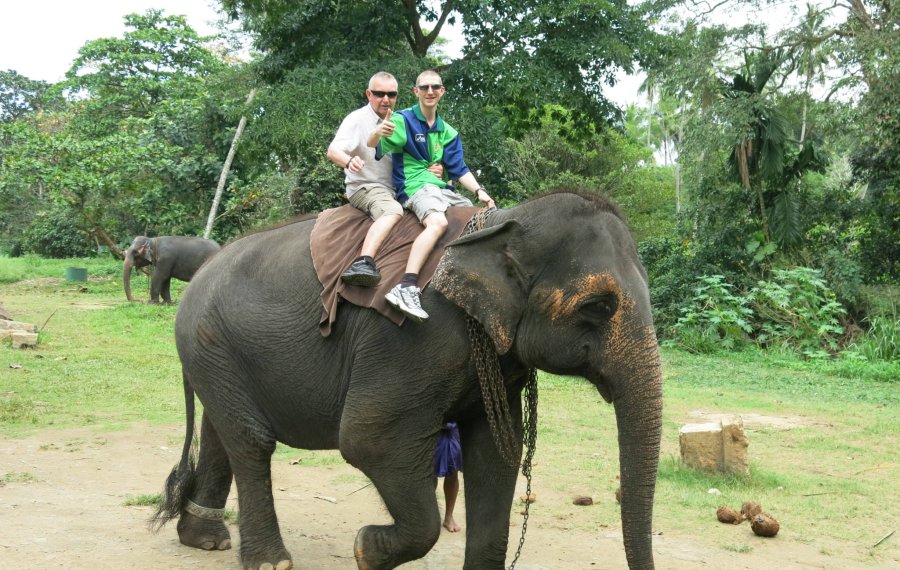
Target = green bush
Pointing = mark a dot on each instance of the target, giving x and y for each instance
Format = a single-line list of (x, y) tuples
[(672, 270), (715, 319), (52, 234), (797, 309)]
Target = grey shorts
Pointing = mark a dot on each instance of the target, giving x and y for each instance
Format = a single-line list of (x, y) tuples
[(376, 201), (431, 198)]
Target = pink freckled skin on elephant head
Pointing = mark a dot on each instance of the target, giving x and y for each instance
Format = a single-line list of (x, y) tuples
[(562, 306)]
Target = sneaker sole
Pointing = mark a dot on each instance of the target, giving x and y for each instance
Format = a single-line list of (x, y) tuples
[(361, 280), (395, 302)]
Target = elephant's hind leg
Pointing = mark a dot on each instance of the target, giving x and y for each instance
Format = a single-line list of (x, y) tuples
[(203, 526), (250, 451)]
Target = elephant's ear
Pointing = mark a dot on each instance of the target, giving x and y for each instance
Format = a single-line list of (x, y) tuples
[(480, 272)]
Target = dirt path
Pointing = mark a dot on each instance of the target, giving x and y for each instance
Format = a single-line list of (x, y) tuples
[(63, 494)]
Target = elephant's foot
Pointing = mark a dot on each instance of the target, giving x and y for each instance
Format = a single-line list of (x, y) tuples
[(377, 547), (202, 533), (369, 556)]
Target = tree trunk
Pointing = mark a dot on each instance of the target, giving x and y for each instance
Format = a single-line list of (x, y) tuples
[(681, 124), (227, 167)]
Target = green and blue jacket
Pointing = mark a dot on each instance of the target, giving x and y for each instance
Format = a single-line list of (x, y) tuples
[(414, 147)]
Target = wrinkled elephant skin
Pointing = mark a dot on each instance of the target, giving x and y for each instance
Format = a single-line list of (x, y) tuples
[(555, 282), (172, 256)]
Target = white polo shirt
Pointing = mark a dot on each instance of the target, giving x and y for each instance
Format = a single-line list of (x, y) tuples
[(351, 138)]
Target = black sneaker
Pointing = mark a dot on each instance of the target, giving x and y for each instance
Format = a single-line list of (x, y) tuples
[(362, 274)]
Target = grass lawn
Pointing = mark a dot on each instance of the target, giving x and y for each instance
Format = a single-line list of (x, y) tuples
[(831, 476)]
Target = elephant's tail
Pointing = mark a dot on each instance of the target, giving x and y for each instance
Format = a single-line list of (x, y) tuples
[(180, 482)]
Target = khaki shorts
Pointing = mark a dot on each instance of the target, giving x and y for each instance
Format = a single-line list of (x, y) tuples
[(431, 198), (376, 201)]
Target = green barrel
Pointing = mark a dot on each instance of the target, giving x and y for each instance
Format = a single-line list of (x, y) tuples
[(76, 274)]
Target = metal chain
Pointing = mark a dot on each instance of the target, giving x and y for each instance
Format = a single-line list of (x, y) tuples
[(493, 390), (529, 433), (496, 404)]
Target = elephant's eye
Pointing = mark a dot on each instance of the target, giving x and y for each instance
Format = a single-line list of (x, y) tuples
[(599, 308)]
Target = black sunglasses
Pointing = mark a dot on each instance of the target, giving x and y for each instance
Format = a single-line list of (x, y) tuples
[(380, 94), (433, 86)]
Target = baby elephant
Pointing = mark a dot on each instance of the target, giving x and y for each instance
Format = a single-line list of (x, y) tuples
[(173, 256)]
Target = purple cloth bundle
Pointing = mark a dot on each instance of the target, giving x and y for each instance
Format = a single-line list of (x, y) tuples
[(448, 454)]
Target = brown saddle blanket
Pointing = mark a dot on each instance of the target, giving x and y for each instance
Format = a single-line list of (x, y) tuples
[(336, 240)]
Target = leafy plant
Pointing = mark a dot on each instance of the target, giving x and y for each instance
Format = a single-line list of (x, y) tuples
[(796, 308), (716, 318)]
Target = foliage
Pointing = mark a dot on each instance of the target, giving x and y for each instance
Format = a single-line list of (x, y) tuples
[(881, 340), (796, 309), (758, 122), (20, 96), (136, 148), (672, 269), (793, 310), (716, 318), (159, 60), (52, 234), (561, 152), (565, 49)]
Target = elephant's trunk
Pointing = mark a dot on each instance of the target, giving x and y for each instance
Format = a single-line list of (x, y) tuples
[(126, 277), (639, 421)]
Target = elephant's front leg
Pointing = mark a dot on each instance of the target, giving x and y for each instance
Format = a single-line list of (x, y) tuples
[(490, 486), (398, 460)]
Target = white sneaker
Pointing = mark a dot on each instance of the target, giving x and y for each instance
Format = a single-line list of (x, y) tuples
[(408, 301)]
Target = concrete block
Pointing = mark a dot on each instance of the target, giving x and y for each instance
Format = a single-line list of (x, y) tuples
[(18, 326), (720, 446), (22, 339)]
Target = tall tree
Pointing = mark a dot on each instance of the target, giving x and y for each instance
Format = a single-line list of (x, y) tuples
[(159, 58), (518, 54), (140, 142), (20, 95)]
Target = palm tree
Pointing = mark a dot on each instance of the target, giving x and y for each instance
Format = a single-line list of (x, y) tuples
[(759, 153), (812, 56)]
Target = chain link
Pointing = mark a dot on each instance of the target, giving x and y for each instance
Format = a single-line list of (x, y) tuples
[(496, 404)]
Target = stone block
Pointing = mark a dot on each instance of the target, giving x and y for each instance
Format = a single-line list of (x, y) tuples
[(22, 339), (720, 446), (5, 335), (18, 326)]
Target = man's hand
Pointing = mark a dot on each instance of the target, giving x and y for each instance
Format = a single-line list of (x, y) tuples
[(355, 164), (386, 127), (483, 196), (437, 169)]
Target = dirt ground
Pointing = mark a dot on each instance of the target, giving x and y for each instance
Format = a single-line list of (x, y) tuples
[(63, 495)]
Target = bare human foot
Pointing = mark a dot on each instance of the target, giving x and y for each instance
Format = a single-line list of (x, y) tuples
[(451, 525)]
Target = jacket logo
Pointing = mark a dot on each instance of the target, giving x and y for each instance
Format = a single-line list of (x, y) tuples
[(420, 137)]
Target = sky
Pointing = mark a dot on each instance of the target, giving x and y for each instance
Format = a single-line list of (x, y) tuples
[(40, 39)]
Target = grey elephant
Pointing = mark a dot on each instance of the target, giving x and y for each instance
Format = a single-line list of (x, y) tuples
[(556, 285), (172, 256)]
